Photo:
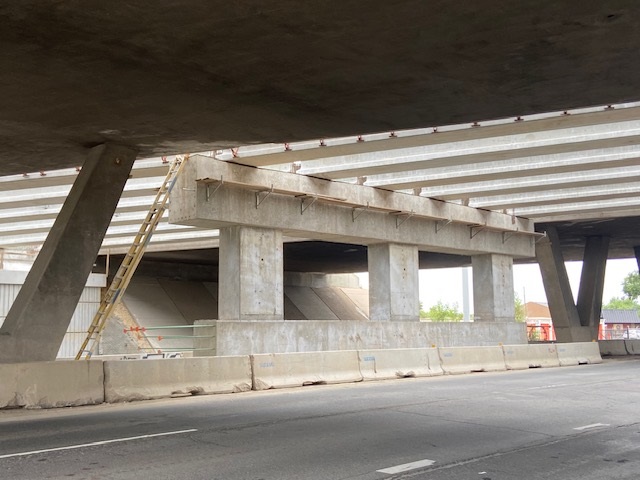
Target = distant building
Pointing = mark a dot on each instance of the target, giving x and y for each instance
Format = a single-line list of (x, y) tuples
[(617, 324), (539, 324)]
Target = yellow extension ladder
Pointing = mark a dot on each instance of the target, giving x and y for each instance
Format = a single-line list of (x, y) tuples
[(131, 260)]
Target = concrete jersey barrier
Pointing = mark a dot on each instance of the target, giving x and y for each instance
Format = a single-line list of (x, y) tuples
[(130, 380), (633, 347), (51, 384), (614, 348), (518, 357), (399, 363), (70, 383), (281, 370), (456, 360), (578, 353)]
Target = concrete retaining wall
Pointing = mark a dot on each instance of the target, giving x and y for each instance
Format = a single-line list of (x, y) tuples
[(280, 370), (255, 337), (578, 353), (146, 379), (530, 356), (51, 384)]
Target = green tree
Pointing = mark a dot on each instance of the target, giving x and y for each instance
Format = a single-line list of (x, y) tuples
[(520, 312), (622, 303), (443, 312), (631, 285)]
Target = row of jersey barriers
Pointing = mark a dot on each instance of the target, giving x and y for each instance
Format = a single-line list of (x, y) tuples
[(71, 383)]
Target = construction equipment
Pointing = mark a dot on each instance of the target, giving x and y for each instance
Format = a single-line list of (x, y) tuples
[(131, 260)]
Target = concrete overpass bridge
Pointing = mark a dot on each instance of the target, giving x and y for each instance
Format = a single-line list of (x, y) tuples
[(97, 83), (573, 173)]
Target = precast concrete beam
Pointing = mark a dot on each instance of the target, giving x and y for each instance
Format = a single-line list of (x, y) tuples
[(493, 294), (556, 285), (589, 302), (393, 282), (580, 125), (251, 274), (214, 194), (38, 319)]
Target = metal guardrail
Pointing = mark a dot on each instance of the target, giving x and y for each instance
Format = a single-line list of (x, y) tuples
[(144, 331), (541, 333), (619, 334)]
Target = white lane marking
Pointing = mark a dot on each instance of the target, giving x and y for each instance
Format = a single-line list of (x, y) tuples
[(103, 442), (407, 466), (593, 425), (557, 385)]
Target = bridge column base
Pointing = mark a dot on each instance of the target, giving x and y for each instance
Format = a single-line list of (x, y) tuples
[(251, 274), (575, 334), (393, 282), (573, 323), (38, 319), (493, 297), (589, 302)]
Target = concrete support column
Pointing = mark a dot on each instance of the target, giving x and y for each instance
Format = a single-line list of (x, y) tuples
[(393, 282), (39, 317), (493, 297), (592, 282), (251, 274), (566, 321), (636, 251)]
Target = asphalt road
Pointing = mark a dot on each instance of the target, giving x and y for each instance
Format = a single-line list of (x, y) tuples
[(559, 423)]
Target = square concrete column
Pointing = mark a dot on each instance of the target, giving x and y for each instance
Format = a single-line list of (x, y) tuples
[(493, 297), (393, 282), (38, 319), (250, 283)]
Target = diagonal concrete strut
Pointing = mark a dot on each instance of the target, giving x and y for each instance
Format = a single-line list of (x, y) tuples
[(38, 319)]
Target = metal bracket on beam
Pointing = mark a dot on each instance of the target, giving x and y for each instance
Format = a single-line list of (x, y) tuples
[(266, 194), (304, 207), (359, 210), (209, 193), (403, 217), (440, 224), (475, 230), (541, 236)]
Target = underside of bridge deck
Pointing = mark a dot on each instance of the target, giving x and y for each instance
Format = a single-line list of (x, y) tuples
[(194, 75)]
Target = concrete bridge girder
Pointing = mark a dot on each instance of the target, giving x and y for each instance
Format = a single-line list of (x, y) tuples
[(214, 194), (234, 198)]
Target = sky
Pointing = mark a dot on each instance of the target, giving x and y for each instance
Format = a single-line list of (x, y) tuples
[(445, 284)]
